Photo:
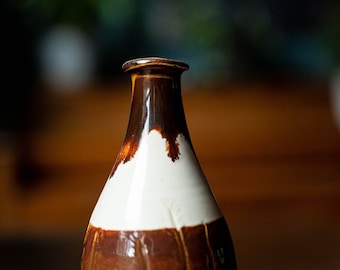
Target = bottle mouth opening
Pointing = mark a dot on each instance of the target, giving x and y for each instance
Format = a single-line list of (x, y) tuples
[(138, 63)]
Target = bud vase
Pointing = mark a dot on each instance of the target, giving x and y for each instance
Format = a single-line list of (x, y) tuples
[(156, 210)]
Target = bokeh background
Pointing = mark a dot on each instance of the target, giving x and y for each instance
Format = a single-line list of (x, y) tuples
[(262, 100)]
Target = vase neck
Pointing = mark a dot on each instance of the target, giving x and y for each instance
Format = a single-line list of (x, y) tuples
[(156, 105)]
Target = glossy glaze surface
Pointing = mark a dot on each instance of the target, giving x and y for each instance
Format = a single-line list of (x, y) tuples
[(156, 105), (199, 247), (151, 191), (156, 210)]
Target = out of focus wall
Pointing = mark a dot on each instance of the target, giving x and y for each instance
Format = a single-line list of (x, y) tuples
[(263, 83)]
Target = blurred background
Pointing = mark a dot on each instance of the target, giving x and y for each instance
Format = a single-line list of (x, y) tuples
[(264, 82)]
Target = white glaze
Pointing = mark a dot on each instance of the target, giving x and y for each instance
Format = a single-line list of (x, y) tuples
[(151, 191)]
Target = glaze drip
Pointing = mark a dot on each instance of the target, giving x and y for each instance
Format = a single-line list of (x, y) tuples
[(156, 105), (205, 246)]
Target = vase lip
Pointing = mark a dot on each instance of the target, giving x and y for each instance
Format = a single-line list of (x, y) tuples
[(154, 61)]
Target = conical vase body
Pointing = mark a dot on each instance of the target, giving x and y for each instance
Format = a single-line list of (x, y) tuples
[(156, 210)]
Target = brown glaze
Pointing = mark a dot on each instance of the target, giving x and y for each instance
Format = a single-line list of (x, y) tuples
[(155, 62), (156, 105), (206, 246)]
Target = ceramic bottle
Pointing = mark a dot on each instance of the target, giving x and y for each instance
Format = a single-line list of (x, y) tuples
[(156, 210)]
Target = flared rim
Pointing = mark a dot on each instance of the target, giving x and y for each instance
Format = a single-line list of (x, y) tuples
[(154, 61)]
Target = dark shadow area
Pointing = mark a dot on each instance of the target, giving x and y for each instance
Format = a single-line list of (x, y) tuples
[(43, 253)]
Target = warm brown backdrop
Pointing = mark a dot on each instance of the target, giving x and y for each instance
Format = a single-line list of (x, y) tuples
[(271, 152)]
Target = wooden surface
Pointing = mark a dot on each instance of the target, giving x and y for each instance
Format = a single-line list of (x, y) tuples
[(271, 154)]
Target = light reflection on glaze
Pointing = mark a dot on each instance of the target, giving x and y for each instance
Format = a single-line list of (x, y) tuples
[(151, 191), (156, 211), (205, 246)]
